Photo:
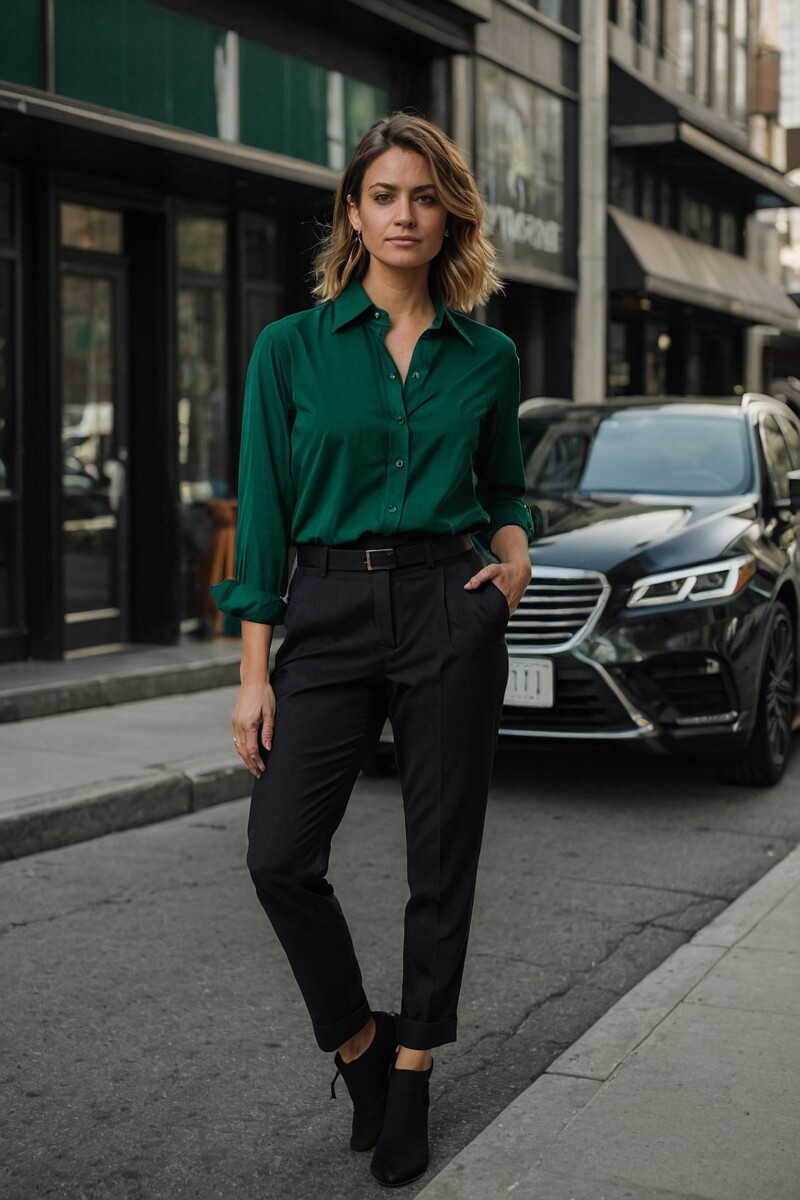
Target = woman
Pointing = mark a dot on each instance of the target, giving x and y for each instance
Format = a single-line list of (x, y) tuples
[(380, 430)]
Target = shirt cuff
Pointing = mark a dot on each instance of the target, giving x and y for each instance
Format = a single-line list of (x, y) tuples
[(248, 603), (510, 512)]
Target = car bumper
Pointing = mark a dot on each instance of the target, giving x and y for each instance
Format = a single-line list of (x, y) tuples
[(666, 680)]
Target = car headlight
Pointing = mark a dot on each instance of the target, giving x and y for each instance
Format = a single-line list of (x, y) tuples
[(711, 581)]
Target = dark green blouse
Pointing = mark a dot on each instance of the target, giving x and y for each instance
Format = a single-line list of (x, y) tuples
[(335, 446)]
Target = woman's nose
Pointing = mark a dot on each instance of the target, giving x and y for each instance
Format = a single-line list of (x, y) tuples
[(404, 215)]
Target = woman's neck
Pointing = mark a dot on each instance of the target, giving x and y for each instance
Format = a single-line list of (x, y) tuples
[(403, 293)]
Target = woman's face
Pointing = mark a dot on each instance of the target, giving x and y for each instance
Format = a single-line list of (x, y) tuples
[(399, 215)]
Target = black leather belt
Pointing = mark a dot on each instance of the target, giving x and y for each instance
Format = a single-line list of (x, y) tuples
[(383, 558)]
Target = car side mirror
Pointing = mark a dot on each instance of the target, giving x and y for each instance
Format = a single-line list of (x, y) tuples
[(539, 522), (794, 490)]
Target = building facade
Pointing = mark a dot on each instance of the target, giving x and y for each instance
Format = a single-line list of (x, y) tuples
[(164, 169), (686, 94), (165, 166)]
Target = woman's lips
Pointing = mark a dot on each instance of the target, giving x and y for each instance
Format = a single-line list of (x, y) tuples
[(404, 241)]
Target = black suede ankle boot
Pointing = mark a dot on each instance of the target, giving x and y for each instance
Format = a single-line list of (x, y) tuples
[(367, 1079), (401, 1155)]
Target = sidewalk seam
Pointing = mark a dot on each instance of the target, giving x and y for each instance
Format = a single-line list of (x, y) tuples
[(41, 823)]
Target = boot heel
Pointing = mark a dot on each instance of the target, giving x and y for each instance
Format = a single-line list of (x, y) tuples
[(367, 1080), (401, 1155)]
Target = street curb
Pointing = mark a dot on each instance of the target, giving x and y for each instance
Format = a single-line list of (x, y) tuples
[(47, 822), (490, 1165), (100, 691)]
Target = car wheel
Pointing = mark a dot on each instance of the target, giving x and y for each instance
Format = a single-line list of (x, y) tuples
[(764, 760)]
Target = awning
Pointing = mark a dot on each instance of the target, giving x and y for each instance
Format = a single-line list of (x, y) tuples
[(646, 258), (773, 189), (643, 114)]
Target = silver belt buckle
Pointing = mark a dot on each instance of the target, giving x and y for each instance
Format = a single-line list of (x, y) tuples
[(378, 566)]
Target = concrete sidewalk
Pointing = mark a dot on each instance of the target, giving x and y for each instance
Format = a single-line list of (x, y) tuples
[(687, 1089), (80, 775)]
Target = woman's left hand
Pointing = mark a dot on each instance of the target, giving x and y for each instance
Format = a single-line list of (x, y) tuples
[(510, 577)]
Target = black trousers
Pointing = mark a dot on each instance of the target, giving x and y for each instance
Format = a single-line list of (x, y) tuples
[(412, 643)]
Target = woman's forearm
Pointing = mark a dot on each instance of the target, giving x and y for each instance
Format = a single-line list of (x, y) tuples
[(256, 641)]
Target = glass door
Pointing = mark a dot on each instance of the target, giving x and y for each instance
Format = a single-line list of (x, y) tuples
[(94, 454)]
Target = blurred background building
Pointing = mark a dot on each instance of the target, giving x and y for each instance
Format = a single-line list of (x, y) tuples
[(165, 164)]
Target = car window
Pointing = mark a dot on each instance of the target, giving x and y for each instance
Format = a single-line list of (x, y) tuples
[(792, 435), (670, 451), (776, 452)]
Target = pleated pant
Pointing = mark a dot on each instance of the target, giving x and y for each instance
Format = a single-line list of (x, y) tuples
[(413, 644)]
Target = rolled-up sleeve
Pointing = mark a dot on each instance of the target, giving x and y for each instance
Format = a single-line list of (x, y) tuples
[(500, 473), (266, 492)]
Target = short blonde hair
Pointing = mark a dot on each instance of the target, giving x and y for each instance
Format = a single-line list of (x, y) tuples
[(463, 272)]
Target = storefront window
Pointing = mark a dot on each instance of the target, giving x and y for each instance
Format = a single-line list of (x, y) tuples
[(619, 368), (520, 141), (87, 228), (202, 245), (203, 458), (647, 199), (263, 272), (202, 358), (7, 481), (728, 232), (696, 219), (622, 182)]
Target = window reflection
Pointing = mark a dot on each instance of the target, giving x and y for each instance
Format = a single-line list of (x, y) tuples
[(87, 228), (89, 464), (202, 400), (6, 373)]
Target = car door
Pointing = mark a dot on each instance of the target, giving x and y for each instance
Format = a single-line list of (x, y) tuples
[(780, 439)]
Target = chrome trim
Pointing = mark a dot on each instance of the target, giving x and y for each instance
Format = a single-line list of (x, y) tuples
[(569, 574), (726, 718), (643, 726)]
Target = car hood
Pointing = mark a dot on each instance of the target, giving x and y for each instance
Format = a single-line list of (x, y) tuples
[(635, 535)]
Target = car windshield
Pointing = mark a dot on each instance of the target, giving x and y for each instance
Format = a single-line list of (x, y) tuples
[(670, 452)]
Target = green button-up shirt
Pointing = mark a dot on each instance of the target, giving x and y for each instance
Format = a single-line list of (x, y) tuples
[(335, 445)]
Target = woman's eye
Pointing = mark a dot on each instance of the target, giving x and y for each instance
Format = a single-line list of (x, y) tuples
[(427, 198), (381, 196)]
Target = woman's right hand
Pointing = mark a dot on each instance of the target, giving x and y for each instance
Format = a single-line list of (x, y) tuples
[(255, 709)]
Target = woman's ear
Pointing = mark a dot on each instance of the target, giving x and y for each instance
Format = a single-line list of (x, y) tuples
[(352, 212)]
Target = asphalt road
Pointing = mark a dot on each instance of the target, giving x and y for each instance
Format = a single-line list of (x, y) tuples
[(153, 1043)]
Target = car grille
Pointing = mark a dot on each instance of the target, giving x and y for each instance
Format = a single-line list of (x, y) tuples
[(583, 704), (558, 606), (688, 691)]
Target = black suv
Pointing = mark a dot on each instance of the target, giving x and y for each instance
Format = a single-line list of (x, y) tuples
[(665, 596)]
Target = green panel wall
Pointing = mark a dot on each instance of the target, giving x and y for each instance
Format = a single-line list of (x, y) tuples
[(22, 42), (283, 105), (137, 57), (363, 105)]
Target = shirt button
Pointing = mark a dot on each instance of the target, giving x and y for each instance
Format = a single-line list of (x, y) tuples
[(400, 420), (392, 375), (392, 508), (399, 462), (415, 375), (377, 316)]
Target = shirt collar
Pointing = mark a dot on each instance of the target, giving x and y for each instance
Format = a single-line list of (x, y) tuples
[(354, 302)]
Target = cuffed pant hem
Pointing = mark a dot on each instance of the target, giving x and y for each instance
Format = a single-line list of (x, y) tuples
[(417, 1035), (331, 1037)]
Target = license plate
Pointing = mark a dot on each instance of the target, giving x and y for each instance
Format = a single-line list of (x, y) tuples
[(530, 682)]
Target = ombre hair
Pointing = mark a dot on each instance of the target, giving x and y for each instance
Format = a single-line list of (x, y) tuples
[(463, 271)]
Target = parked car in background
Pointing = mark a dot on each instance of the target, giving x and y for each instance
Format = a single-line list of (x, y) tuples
[(665, 599)]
